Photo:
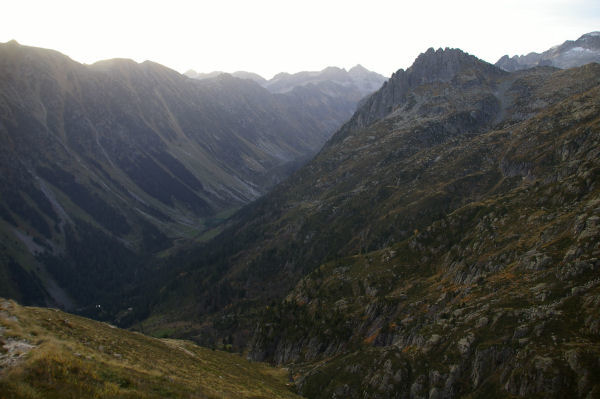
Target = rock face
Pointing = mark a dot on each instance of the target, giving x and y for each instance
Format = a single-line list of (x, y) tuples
[(570, 54), (433, 66), (444, 243), (104, 165)]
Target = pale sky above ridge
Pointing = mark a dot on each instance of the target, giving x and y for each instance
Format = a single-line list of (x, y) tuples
[(269, 36)]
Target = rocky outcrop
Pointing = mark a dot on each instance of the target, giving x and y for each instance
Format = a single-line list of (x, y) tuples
[(433, 66)]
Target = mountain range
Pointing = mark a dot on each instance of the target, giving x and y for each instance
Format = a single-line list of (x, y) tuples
[(344, 89), (357, 77), (442, 243), (570, 54), (239, 74)]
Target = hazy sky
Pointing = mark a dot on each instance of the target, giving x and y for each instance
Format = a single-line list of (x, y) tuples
[(270, 36)]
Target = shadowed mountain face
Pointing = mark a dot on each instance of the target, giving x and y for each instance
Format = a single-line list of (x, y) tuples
[(103, 165), (570, 54), (444, 242)]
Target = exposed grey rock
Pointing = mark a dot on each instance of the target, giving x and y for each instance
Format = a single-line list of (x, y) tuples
[(521, 331), (431, 66), (464, 344), (434, 393), (482, 322), (570, 54), (417, 389)]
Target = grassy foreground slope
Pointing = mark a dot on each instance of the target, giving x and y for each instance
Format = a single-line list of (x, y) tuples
[(45, 353)]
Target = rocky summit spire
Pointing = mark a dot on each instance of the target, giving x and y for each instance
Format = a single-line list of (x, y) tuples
[(432, 66), (439, 65)]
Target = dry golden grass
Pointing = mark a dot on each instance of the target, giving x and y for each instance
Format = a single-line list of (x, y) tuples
[(74, 357)]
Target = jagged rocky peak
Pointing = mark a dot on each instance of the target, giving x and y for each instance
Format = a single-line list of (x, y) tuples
[(437, 64), (588, 42), (441, 65)]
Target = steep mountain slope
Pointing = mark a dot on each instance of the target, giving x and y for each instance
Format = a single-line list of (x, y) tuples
[(570, 54), (443, 243), (104, 165), (50, 354), (500, 295)]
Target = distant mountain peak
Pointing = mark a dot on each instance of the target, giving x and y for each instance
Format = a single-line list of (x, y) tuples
[(360, 72), (281, 75), (238, 74), (250, 76), (590, 34), (333, 69), (199, 75), (569, 54), (358, 77), (114, 63), (358, 68)]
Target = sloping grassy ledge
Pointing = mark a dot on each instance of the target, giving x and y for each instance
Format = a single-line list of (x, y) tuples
[(46, 353)]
